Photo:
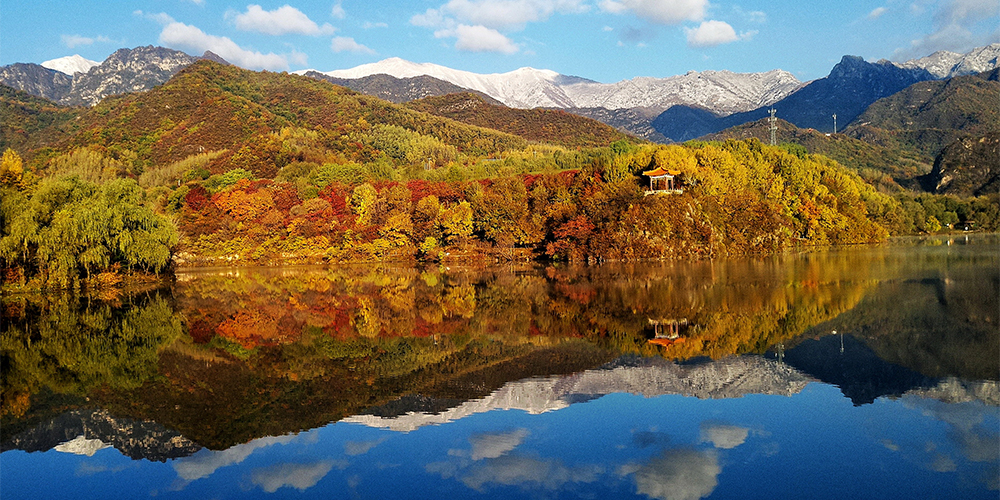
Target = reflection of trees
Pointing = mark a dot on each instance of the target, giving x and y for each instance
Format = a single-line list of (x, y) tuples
[(937, 313), (71, 345)]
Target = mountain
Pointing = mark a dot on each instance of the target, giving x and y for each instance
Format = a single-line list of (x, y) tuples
[(969, 166), (531, 88), (36, 80), (210, 107), (928, 116), (631, 121), (70, 65), (125, 71), (398, 90), (545, 125), (851, 86), (28, 122), (945, 64)]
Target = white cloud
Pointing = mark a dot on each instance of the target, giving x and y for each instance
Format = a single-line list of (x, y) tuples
[(337, 12), (677, 475), (877, 12), (298, 476), (959, 25), (607, 28), (72, 41), (281, 21), (347, 44), (161, 18), (197, 2), (495, 445), (189, 37), (478, 39), (658, 11), (710, 34), (508, 14), (751, 16), (433, 18), (369, 25)]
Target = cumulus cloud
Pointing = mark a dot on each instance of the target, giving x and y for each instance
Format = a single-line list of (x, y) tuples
[(72, 41), (723, 436), (676, 475), (478, 39), (508, 14), (338, 12), (710, 34), (176, 34), (298, 476), (281, 21), (658, 11), (347, 44), (959, 25), (495, 445), (477, 24)]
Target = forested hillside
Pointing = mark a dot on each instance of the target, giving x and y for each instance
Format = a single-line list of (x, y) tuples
[(266, 167)]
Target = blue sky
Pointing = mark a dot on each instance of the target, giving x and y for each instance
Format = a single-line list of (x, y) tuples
[(604, 40)]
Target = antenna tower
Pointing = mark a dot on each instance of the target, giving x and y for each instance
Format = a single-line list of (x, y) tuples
[(835, 123), (774, 127)]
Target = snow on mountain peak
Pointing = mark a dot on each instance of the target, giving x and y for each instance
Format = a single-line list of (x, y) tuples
[(70, 64), (531, 88)]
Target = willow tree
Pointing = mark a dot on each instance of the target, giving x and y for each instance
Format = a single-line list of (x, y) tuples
[(68, 230)]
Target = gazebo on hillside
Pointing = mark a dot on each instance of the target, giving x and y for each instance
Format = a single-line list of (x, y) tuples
[(662, 180)]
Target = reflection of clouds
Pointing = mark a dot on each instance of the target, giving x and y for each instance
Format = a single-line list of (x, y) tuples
[(205, 462), (495, 445), (682, 474), (490, 462), (298, 476), (513, 470), (971, 429), (354, 448), (723, 436)]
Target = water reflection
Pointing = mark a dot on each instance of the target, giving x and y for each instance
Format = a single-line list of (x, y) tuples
[(512, 380)]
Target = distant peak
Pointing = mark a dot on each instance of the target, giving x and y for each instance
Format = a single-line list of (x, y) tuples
[(70, 64)]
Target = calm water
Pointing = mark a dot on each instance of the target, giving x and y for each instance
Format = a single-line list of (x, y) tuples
[(848, 373)]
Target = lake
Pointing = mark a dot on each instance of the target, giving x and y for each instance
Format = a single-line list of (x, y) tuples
[(862, 372)]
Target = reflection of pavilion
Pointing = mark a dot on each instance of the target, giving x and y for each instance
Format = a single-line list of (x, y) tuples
[(667, 331)]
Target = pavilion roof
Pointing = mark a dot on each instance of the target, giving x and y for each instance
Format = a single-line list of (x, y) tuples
[(660, 172)]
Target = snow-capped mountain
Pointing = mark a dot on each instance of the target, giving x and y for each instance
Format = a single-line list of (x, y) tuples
[(945, 64), (723, 91), (70, 65)]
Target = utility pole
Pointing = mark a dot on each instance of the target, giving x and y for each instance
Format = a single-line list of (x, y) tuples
[(774, 127), (835, 123)]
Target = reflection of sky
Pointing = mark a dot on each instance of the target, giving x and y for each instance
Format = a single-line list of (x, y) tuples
[(814, 444)]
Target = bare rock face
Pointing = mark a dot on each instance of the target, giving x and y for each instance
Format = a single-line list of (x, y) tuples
[(969, 166), (37, 80), (126, 71)]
